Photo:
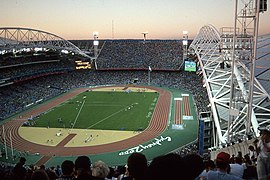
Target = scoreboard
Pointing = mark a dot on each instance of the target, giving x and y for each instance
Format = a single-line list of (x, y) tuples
[(79, 64), (190, 66)]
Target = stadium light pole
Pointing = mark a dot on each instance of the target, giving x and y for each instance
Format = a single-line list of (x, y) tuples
[(144, 35), (185, 44), (95, 43), (11, 144), (149, 72), (5, 142)]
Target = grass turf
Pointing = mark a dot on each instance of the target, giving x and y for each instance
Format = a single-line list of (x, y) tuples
[(102, 110)]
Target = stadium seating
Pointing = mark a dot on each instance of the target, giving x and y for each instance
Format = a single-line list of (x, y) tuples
[(136, 54)]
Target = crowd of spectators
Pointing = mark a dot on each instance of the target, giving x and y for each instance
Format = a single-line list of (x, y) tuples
[(189, 166), (15, 98), (20, 58), (29, 89), (170, 166), (21, 72), (136, 54), (33, 83)]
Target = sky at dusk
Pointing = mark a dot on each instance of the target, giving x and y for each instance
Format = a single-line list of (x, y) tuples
[(121, 19)]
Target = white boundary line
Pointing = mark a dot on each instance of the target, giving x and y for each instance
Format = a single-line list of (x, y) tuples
[(109, 116), (78, 115)]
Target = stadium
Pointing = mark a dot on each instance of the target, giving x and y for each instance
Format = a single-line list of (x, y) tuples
[(109, 98)]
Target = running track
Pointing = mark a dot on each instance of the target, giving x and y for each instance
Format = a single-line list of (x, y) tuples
[(178, 112), (186, 106), (157, 125)]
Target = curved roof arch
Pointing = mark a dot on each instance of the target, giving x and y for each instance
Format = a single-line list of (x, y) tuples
[(18, 38), (214, 52)]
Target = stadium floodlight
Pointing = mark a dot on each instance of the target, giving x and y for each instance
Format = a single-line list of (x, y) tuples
[(185, 44), (95, 43), (95, 34), (144, 35)]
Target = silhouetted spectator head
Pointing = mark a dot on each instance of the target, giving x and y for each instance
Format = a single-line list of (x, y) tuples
[(67, 167), (100, 170), (82, 167), (170, 166), (247, 160), (19, 169), (83, 162), (111, 173), (22, 160), (137, 165), (240, 154), (232, 159), (239, 160), (193, 165), (251, 148), (209, 164)]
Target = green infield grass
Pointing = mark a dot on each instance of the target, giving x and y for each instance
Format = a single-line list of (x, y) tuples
[(102, 110)]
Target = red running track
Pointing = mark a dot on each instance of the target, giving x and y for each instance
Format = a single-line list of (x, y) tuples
[(186, 106), (178, 112)]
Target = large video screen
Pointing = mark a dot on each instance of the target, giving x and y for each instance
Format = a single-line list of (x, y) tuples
[(79, 64), (190, 66)]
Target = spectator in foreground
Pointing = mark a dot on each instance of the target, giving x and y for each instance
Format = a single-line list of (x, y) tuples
[(112, 174), (82, 168), (121, 172), (237, 168), (250, 171), (100, 170), (67, 170), (193, 166), (170, 166), (223, 166), (209, 165), (19, 170), (40, 174), (252, 154), (263, 160), (136, 167)]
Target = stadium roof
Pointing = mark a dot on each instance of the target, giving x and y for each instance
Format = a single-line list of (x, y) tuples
[(262, 70)]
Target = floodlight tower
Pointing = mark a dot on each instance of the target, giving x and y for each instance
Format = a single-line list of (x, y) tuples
[(241, 41), (185, 45), (144, 35), (95, 43)]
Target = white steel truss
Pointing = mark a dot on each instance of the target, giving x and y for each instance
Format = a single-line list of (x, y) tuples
[(214, 52), (18, 38)]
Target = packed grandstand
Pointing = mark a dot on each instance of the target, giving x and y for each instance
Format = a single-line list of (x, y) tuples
[(29, 78)]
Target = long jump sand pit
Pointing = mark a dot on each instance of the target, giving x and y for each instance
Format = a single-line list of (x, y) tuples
[(83, 137)]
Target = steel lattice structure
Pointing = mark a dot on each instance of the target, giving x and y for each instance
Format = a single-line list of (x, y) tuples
[(214, 52), (18, 38)]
